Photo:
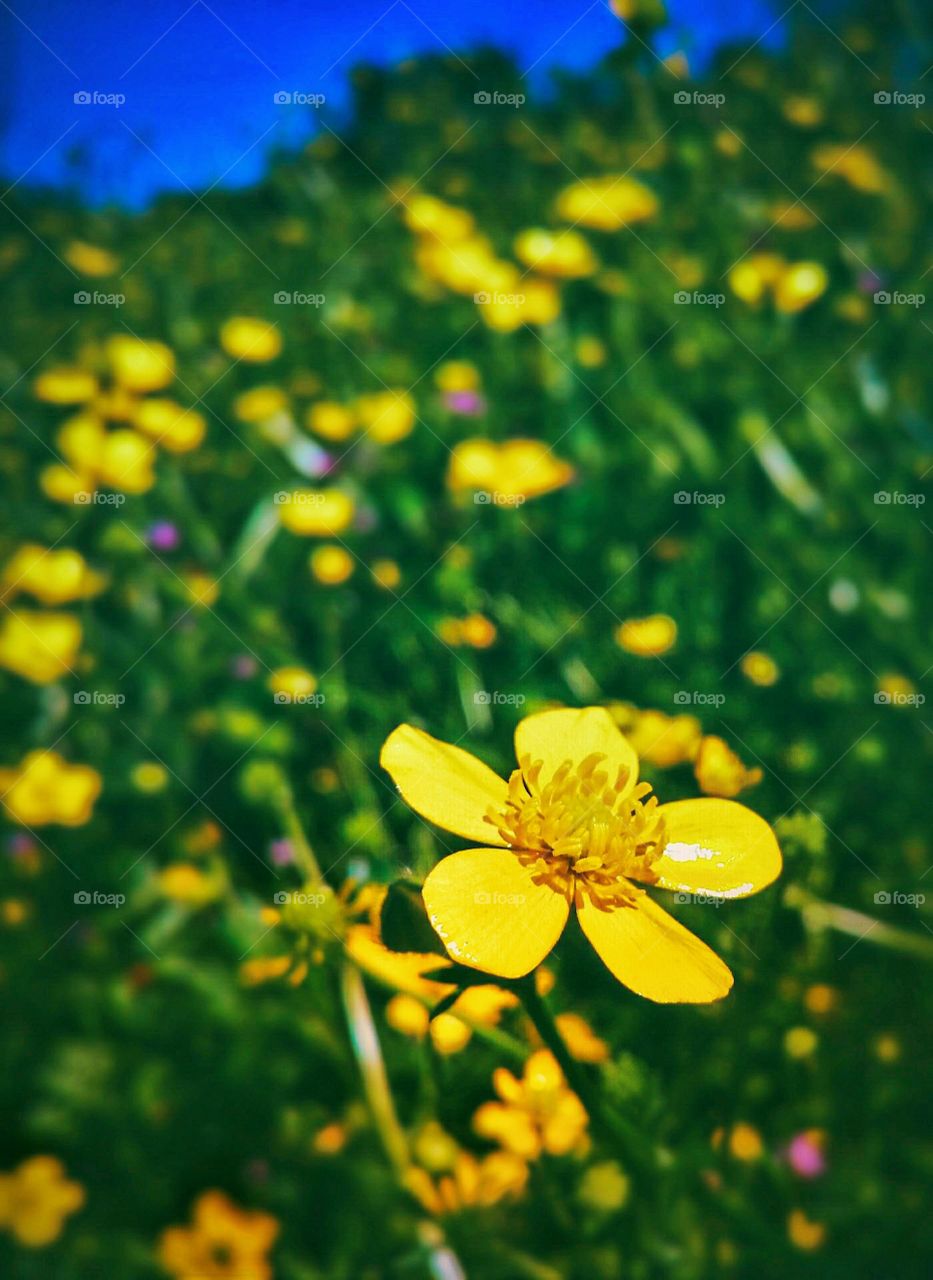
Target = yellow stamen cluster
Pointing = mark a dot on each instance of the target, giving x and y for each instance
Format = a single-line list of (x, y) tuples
[(582, 830)]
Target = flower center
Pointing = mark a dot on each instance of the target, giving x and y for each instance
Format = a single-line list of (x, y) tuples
[(583, 830)]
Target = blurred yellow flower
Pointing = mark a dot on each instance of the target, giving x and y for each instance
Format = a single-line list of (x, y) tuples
[(475, 1182), (323, 513), (886, 1048), (53, 577), (564, 254), (331, 421), (189, 886), (139, 365), (572, 827), (457, 375), (386, 416), (853, 163), (804, 1233), (590, 352), (35, 1200), (202, 590), (799, 285), (65, 385), (604, 1187), (40, 647), (660, 739), (224, 1242), (259, 404), (760, 668), (386, 574), (753, 276), (820, 998), (251, 340), (44, 788), (426, 215), (800, 1042), (125, 462), (606, 203), (506, 473), (581, 1040), (720, 772), (171, 425), (536, 1114), (475, 631), (90, 259), (745, 1142), (293, 682), (802, 110), (149, 777), (647, 637), (331, 564), (408, 1016)]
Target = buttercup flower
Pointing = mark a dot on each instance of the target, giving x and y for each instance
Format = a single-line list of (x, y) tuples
[(45, 788), (658, 738), (647, 637), (35, 1200), (331, 421), (331, 564), (536, 1114), (720, 772), (259, 404), (224, 1242), (562, 253), (53, 577), (40, 647), (140, 366), (171, 425), (510, 471), (65, 385), (386, 416), (574, 827), (323, 513), (90, 259), (606, 203), (473, 1183), (251, 340)]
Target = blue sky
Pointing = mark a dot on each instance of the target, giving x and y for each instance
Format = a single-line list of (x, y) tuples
[(198, 77)]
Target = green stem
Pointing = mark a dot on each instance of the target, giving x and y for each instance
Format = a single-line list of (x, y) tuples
[(304, 854)]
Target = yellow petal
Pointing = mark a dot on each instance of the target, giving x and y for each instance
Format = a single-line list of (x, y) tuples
[(490, 914), (717, 848), (653, 955), (444, 784), (567, 734)]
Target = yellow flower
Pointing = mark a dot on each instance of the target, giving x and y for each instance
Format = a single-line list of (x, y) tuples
[(564, 254), (250, 340), (386, 574), (171, 425), (606, 203), (473, 1183), (753, 276), (660, 739), (803, 1233), (802, 110), (720, 772), (45, 788), (149, 777), (800, 1042), (820, 998), (604, 1187), (80, 439), (477, 632), (745, 1142), (65, 385), (292, 682), (506, 473), (590, 352), (647, 637), (409, 1016), (117, 404), (331, 421), (331, 564), (139, 365), (53, 577), (854, 164), (90, 259), (35, 1200), (386, 416), (323, 513), (572, 827), (457, 375), (760, 668), (262, 969), (223, 1242), (189, 886), (202, 589), (61, 484), (259, 404), (125, 462), (40, 647), (799, 285), (886, 1048), (536, 1114), (581, 1040), (427, 215)]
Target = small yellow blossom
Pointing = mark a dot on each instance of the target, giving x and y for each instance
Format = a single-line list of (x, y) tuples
[(386, 574), (224, 1242), (251, 340), (564, 254), (90, 259), (202, 589), (44, 788), (802, 110), (855, 164), (799, 285), (647, 637), (804, 1233), (506, 473), (150, 777), (65, 385), (720, 772), (35, 1200), (536, 1114), (760, 668), (604, 1187), (800, 1042), (590, 352), (886, 1048), (606, 203), (40, 647), (427, 215), (820, 998), (292, 683), (323, 513), (752, 277), (331, 564), (125, 462), (189, 886), (171, 425), (54, 577), (581, 1040), (745, 1142), (386, 416), (474, 1182), (658, 738), (259, 404), (331, 421), (139, 365), (409, 1016), (456, 375)]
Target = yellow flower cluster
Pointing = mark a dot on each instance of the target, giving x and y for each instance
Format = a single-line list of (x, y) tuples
[(505, 473), (52, 577), (384, 417), (223, 1242), (793, 286), (44, 788)]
